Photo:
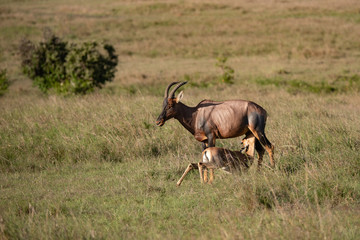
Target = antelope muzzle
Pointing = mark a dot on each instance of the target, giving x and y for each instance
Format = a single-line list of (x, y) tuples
[(160, 120)]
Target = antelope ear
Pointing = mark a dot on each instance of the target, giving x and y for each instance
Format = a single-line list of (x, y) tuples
[(179, 96)]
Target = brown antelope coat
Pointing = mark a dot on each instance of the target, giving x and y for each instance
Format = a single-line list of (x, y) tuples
[(210, 120)]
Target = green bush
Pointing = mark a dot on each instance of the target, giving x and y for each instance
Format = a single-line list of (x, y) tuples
[(68, 68), (228, 72), (4, 82)]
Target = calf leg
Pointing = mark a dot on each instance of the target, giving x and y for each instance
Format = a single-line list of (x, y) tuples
[(188, 169), (200, 166), (206, 166), (205, 175), (211, 175)]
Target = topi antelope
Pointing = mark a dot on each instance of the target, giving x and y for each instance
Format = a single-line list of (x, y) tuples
[(230, 161), (210, 120)]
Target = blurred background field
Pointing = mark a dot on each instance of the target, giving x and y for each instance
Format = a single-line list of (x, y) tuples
[(96, 166)]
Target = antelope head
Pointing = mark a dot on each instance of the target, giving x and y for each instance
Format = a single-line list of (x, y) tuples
[(169, 104)]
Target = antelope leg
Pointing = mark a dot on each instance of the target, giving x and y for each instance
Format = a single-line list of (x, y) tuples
[(201, 172), (205, 175), (211, 175), (189, 167), (210, 167)]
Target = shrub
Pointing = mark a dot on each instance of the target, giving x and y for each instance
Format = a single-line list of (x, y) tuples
[(68, 68), (227, 71), (4, 82)]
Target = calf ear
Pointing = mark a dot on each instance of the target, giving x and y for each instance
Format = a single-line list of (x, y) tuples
[(179, 96)]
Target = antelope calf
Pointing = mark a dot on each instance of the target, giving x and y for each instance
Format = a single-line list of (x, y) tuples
[(225, 159)]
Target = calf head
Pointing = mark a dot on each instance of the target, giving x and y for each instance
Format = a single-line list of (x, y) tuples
[(169, 104)]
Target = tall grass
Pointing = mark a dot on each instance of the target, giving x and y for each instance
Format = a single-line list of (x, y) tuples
[(97, 167)]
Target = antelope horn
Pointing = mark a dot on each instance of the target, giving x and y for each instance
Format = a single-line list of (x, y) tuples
[(172, 94), (168, 88)]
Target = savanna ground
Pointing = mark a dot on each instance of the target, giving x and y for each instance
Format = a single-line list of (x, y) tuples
[(96, 166)]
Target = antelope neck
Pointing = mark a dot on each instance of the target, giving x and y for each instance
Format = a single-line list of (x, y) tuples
[(186, 116)]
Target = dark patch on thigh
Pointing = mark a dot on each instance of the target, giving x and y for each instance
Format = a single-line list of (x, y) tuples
[(253, 119)]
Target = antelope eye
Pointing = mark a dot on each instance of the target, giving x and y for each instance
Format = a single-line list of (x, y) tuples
[(170, 105)]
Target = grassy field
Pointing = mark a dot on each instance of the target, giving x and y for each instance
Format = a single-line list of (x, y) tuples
[(97, 167)]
